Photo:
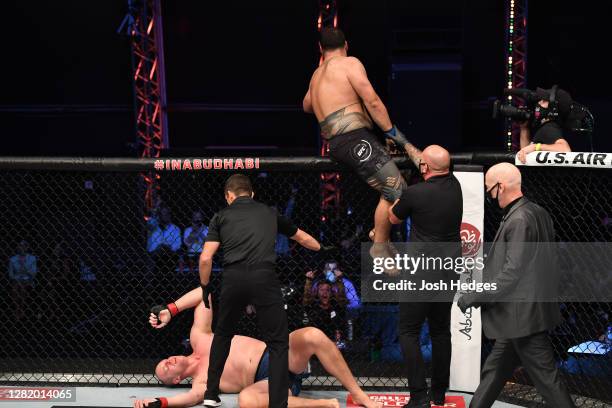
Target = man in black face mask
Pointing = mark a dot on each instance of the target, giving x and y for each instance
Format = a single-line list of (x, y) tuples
[(435, 208), (522, 308), (548, 132)]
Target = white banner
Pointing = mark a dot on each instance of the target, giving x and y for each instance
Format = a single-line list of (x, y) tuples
[(567, 159), (466, 329)]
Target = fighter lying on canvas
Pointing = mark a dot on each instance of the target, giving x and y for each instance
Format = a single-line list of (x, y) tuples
[(246, 368)]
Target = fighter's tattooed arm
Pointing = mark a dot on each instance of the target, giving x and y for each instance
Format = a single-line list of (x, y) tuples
[(413, 153), (397, 138)]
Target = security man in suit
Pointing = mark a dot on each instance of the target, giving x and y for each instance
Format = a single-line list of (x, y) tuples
[(246, 231), (522, 307)]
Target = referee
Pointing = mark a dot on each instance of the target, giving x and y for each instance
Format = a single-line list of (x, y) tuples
[(246, 230)]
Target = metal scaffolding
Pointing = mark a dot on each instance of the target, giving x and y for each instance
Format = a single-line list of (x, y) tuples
[(330, 190), (144, 27), (516, 60)]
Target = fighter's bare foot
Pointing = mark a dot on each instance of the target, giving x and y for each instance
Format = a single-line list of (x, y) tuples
[(366, 401), (385, 250), (372, 233)]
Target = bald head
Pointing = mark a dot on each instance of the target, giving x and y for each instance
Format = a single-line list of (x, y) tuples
[(508, 176), (437, 158), (505, 173)]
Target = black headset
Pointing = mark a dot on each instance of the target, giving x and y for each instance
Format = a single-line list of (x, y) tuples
[(553, 104)]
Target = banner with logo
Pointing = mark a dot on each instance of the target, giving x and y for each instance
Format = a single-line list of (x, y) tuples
[(400, 400), (567, 159), (466, 328)]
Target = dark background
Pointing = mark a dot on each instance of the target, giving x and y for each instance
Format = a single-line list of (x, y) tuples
[(67, 74)]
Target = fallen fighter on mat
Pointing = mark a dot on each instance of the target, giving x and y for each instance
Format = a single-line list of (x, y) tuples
[(245, 371)]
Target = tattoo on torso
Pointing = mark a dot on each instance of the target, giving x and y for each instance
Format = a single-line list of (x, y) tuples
[(340, 122)]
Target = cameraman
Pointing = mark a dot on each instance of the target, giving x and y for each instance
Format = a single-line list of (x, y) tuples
[(548, 131)]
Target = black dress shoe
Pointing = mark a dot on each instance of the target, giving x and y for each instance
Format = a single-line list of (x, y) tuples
[(418, 402), (212, 402), (438, 398)]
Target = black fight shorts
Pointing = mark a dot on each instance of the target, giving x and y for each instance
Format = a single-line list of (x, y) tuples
[(361, 151)]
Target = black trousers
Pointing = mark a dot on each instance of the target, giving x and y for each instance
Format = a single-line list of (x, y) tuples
[(536, 354), (257, 285), (411, 319)]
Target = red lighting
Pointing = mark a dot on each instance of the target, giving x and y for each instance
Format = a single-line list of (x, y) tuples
[(149, 87), (330, 192)]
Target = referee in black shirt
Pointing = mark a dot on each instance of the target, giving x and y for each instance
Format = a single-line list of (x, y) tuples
[(436, 209), (246, 230)]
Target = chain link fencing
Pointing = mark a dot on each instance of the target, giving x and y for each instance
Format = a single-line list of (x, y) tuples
[(86, 261)]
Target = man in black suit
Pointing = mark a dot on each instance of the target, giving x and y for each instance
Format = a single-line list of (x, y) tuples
[(522, 265)]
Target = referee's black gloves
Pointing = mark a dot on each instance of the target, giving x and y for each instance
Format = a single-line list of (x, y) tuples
[(328, 251)]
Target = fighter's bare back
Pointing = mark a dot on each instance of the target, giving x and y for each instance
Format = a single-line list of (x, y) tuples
[(335, 102)]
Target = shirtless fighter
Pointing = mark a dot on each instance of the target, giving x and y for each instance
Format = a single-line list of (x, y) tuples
[(245, 371), (339, 95)]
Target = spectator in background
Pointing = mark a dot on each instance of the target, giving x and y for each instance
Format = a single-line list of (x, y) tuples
[(340, 283), (314, 278), (380, 330), (193, 238), (163, 246), (22, 270), (325, 311), (165, 236), (88, 277)]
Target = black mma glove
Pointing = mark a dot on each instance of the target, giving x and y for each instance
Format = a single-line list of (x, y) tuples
[(327, 251), (206, 290), (171, 307), (158, 403), (398, 137)]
